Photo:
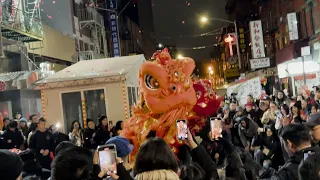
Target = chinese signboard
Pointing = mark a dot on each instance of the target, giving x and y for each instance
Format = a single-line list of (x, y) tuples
[(259, 63), (293, 26), (242, 42), (257, 43), (111, 4), (114, 34)]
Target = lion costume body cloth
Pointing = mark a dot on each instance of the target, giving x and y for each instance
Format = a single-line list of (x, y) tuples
[(166, 94)]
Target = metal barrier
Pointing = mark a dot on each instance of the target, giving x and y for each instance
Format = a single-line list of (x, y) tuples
[(19, 20), (90, 14), (85, 55)]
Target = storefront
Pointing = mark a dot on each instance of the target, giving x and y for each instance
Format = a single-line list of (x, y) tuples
[(292, 76)]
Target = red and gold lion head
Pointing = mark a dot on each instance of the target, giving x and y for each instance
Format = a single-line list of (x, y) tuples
[(165, 83)]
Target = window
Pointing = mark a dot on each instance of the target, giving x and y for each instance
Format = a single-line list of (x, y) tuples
[(75, 8), (310, 5), (72, 109), (132, 97), (95, 103)]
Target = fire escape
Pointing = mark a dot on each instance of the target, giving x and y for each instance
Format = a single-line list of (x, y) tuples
[(89, 17), (20, 24)]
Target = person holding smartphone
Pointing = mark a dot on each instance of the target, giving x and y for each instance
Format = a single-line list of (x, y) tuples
[(76, 134), (210, 141), (123, 149)]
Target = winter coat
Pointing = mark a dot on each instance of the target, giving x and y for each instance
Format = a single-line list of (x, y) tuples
[(290, 169), (101, 136), (87, 136), (16, 137), (248, 132), (200, 156)]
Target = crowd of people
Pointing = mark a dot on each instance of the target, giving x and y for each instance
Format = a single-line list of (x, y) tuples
[(269, 138)]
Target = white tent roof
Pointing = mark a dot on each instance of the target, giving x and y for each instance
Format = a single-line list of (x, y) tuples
[(97, 68)]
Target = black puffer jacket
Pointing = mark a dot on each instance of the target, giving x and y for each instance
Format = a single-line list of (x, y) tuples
[(290, 169)]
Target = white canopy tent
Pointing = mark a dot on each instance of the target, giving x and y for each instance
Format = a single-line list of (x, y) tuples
[(74, 92)]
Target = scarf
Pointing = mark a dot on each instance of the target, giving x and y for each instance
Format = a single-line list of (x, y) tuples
[(157, 175)]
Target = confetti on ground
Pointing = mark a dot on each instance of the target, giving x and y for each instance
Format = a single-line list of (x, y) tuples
[(50, 17)]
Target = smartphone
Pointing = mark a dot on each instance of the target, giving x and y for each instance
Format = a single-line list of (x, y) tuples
[(107, 158), (216, 127), (182, 129), (307, 153)]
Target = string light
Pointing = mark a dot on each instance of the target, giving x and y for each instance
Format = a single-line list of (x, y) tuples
[(43, 104), (84, 113), (124, 96)]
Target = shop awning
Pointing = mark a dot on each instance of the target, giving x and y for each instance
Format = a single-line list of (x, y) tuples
[(17, 80), (291, 52), (4, 77)]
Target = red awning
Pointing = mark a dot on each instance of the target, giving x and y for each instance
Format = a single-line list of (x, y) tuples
[(291, 52)]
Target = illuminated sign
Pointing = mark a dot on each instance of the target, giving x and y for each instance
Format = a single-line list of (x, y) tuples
[(114, 34), (230, 39), (257, 42), (242, 41)]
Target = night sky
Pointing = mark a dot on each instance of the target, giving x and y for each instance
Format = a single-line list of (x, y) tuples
[(177, 23)]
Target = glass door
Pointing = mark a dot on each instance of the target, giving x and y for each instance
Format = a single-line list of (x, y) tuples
[(95, 103), (72, 109), (95, 106)]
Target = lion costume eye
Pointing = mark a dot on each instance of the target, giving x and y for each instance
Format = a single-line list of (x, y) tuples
[(151, 82)]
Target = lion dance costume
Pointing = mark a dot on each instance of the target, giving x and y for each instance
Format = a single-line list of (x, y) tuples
[(168, 93)]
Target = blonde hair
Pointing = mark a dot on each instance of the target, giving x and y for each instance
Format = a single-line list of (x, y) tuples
[(158, 175)]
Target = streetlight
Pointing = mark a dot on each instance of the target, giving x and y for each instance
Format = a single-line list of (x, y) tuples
[(205, 19), (179, 56)]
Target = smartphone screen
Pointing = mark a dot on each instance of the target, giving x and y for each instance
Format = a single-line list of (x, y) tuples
[(107, 158), (306, 154), (182, 129), (216, 127)]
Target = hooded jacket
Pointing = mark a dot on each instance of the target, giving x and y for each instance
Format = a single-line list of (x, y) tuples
[(248, 132)]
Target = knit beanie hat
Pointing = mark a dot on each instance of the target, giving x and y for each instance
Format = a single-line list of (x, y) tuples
[(10, 166)]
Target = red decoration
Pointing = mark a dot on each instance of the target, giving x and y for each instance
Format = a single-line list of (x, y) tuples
[(2, 86)]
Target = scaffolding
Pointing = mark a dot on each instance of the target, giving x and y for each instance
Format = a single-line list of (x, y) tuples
[(20, 24), (89, 17)]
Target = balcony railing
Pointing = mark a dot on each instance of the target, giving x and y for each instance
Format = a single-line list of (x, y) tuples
[(90, 14), (85, 55), (15, 19)]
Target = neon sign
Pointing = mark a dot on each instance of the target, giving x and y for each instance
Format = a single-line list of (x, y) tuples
[(230, 40)]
